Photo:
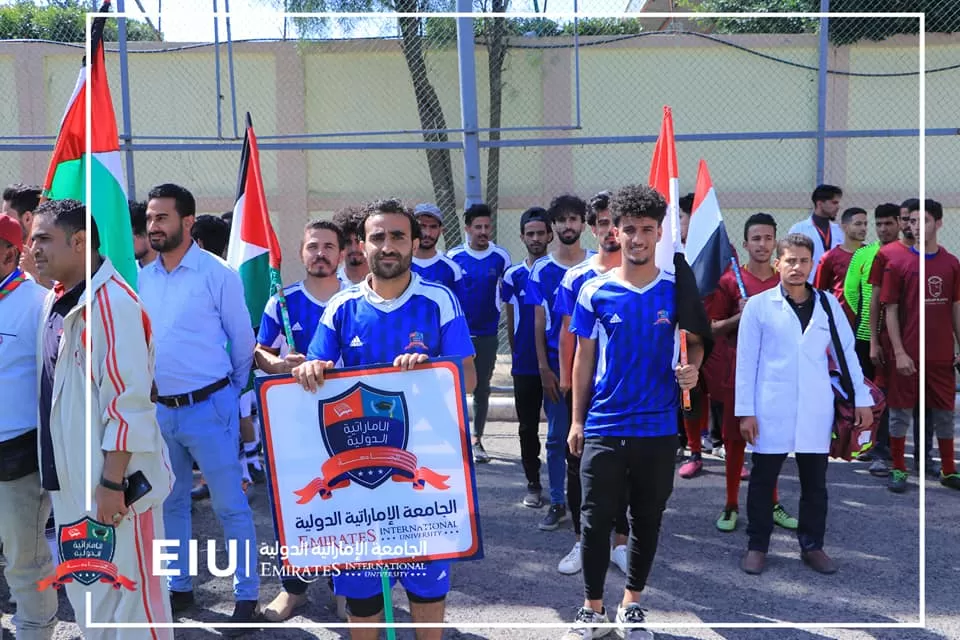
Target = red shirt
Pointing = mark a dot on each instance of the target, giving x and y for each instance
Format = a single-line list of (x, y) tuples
[(724, 304), (901, 286), (831, 273), (942, 292)]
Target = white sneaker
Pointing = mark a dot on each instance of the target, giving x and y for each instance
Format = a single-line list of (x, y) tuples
[(706, 444), (619, 557), (571, 563), (631, 617), (587, 616), (720, 452)]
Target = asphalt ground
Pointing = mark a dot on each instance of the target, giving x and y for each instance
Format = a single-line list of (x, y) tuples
[(873, 535)]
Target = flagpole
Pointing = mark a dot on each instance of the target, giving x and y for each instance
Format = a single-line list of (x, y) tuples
[(284, 314)]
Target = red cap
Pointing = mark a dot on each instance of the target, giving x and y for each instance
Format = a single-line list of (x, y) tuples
[(11, 231)]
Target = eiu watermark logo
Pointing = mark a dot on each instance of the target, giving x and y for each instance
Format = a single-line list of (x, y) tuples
[(365, 432)]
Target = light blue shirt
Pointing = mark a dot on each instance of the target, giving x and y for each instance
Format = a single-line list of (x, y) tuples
[(20, 316), (197, 310)]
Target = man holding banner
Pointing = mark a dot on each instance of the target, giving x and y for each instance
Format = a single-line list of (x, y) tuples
[(393, 316)]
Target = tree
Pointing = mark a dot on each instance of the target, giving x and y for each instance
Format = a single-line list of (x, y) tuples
[(60, 21), (942, 17), (429, 111)]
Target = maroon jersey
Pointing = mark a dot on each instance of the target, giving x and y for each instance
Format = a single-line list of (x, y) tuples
[(724, 304), (831, 273), (901, 286), (941, 293)]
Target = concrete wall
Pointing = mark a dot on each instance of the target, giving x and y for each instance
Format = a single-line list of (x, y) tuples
[(340, 86)]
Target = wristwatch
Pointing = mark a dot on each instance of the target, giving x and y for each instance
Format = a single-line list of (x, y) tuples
[(113, 486)]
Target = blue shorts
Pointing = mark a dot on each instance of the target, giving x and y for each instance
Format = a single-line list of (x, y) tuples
[(431, 582)]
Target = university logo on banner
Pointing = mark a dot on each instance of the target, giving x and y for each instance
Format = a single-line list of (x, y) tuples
[(86, 553), (374, 468), (365, 432)]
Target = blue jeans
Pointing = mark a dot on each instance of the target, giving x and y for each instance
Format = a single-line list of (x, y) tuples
[(209, 432), (558, 427)]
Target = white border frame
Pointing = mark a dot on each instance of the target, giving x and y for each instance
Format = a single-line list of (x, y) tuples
[(542, 625)]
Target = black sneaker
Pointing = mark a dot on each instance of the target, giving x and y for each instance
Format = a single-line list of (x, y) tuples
[(897, 481), (951, 481), (933, 469), (258, 475), (180, 601), (480, 455), (554, 517), (243, 611)]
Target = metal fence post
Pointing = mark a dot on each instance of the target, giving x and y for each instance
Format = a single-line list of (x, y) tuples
[(125, 134), (822, 92), (468, 105)]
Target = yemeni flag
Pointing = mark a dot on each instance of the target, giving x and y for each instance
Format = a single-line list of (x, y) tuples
[(254, 250), (664, 177), (708, 247), (67, 173)]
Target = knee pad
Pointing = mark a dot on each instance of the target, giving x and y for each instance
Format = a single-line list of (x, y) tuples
[(365, 607)]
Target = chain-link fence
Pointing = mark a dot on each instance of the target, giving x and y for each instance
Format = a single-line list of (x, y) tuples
[(350, 111)]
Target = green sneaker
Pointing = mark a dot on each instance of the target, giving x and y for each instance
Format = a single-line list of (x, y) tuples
[(897, 481), (728, 520), (782, 518), (951, 481)]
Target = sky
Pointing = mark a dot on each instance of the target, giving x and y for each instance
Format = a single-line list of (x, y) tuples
[(182, 20)]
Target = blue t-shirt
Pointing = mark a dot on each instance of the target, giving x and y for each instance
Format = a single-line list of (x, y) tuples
[(364, 329), (304, 311), (542, 289), (482, 271), (635, 390), (570, 286), (513, 292), (440, 269)]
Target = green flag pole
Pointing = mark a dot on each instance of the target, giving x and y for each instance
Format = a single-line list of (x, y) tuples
[(284, 314), (387, 603)]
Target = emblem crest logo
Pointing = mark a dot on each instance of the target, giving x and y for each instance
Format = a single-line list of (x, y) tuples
[(86, 552)]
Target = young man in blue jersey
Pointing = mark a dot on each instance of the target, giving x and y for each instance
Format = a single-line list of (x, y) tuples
[(626, 396), (527, 388), (432, 265), (483, 264), (354, 268), (567, 214), (600, 220), (320, 250), (371, 324)]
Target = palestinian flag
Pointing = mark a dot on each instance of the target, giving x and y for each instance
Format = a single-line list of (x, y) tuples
[(253, 250), (67, 173)]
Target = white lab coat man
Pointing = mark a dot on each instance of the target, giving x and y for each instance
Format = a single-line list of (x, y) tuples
[(784, 381)]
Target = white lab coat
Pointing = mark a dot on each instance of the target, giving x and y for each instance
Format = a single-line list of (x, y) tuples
[(782, 374), (809, 229)]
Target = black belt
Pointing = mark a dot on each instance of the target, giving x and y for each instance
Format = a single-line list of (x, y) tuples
[(186, 399)]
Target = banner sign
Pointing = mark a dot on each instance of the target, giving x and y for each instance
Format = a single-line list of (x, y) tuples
[(374, 468)]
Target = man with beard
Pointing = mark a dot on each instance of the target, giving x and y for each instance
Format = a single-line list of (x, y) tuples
[(832, 270), (320, 250), (142, 250), (626, 396), (483, 264), (726, 310), (354, 268), (908, 205), (567, 214), (600, 220), (196, 303), (859, 296), (393, 316), (900, 293), (527, 388), (820, 226), (432, 265)]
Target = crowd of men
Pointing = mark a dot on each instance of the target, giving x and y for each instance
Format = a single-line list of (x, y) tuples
[(630, 364)]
